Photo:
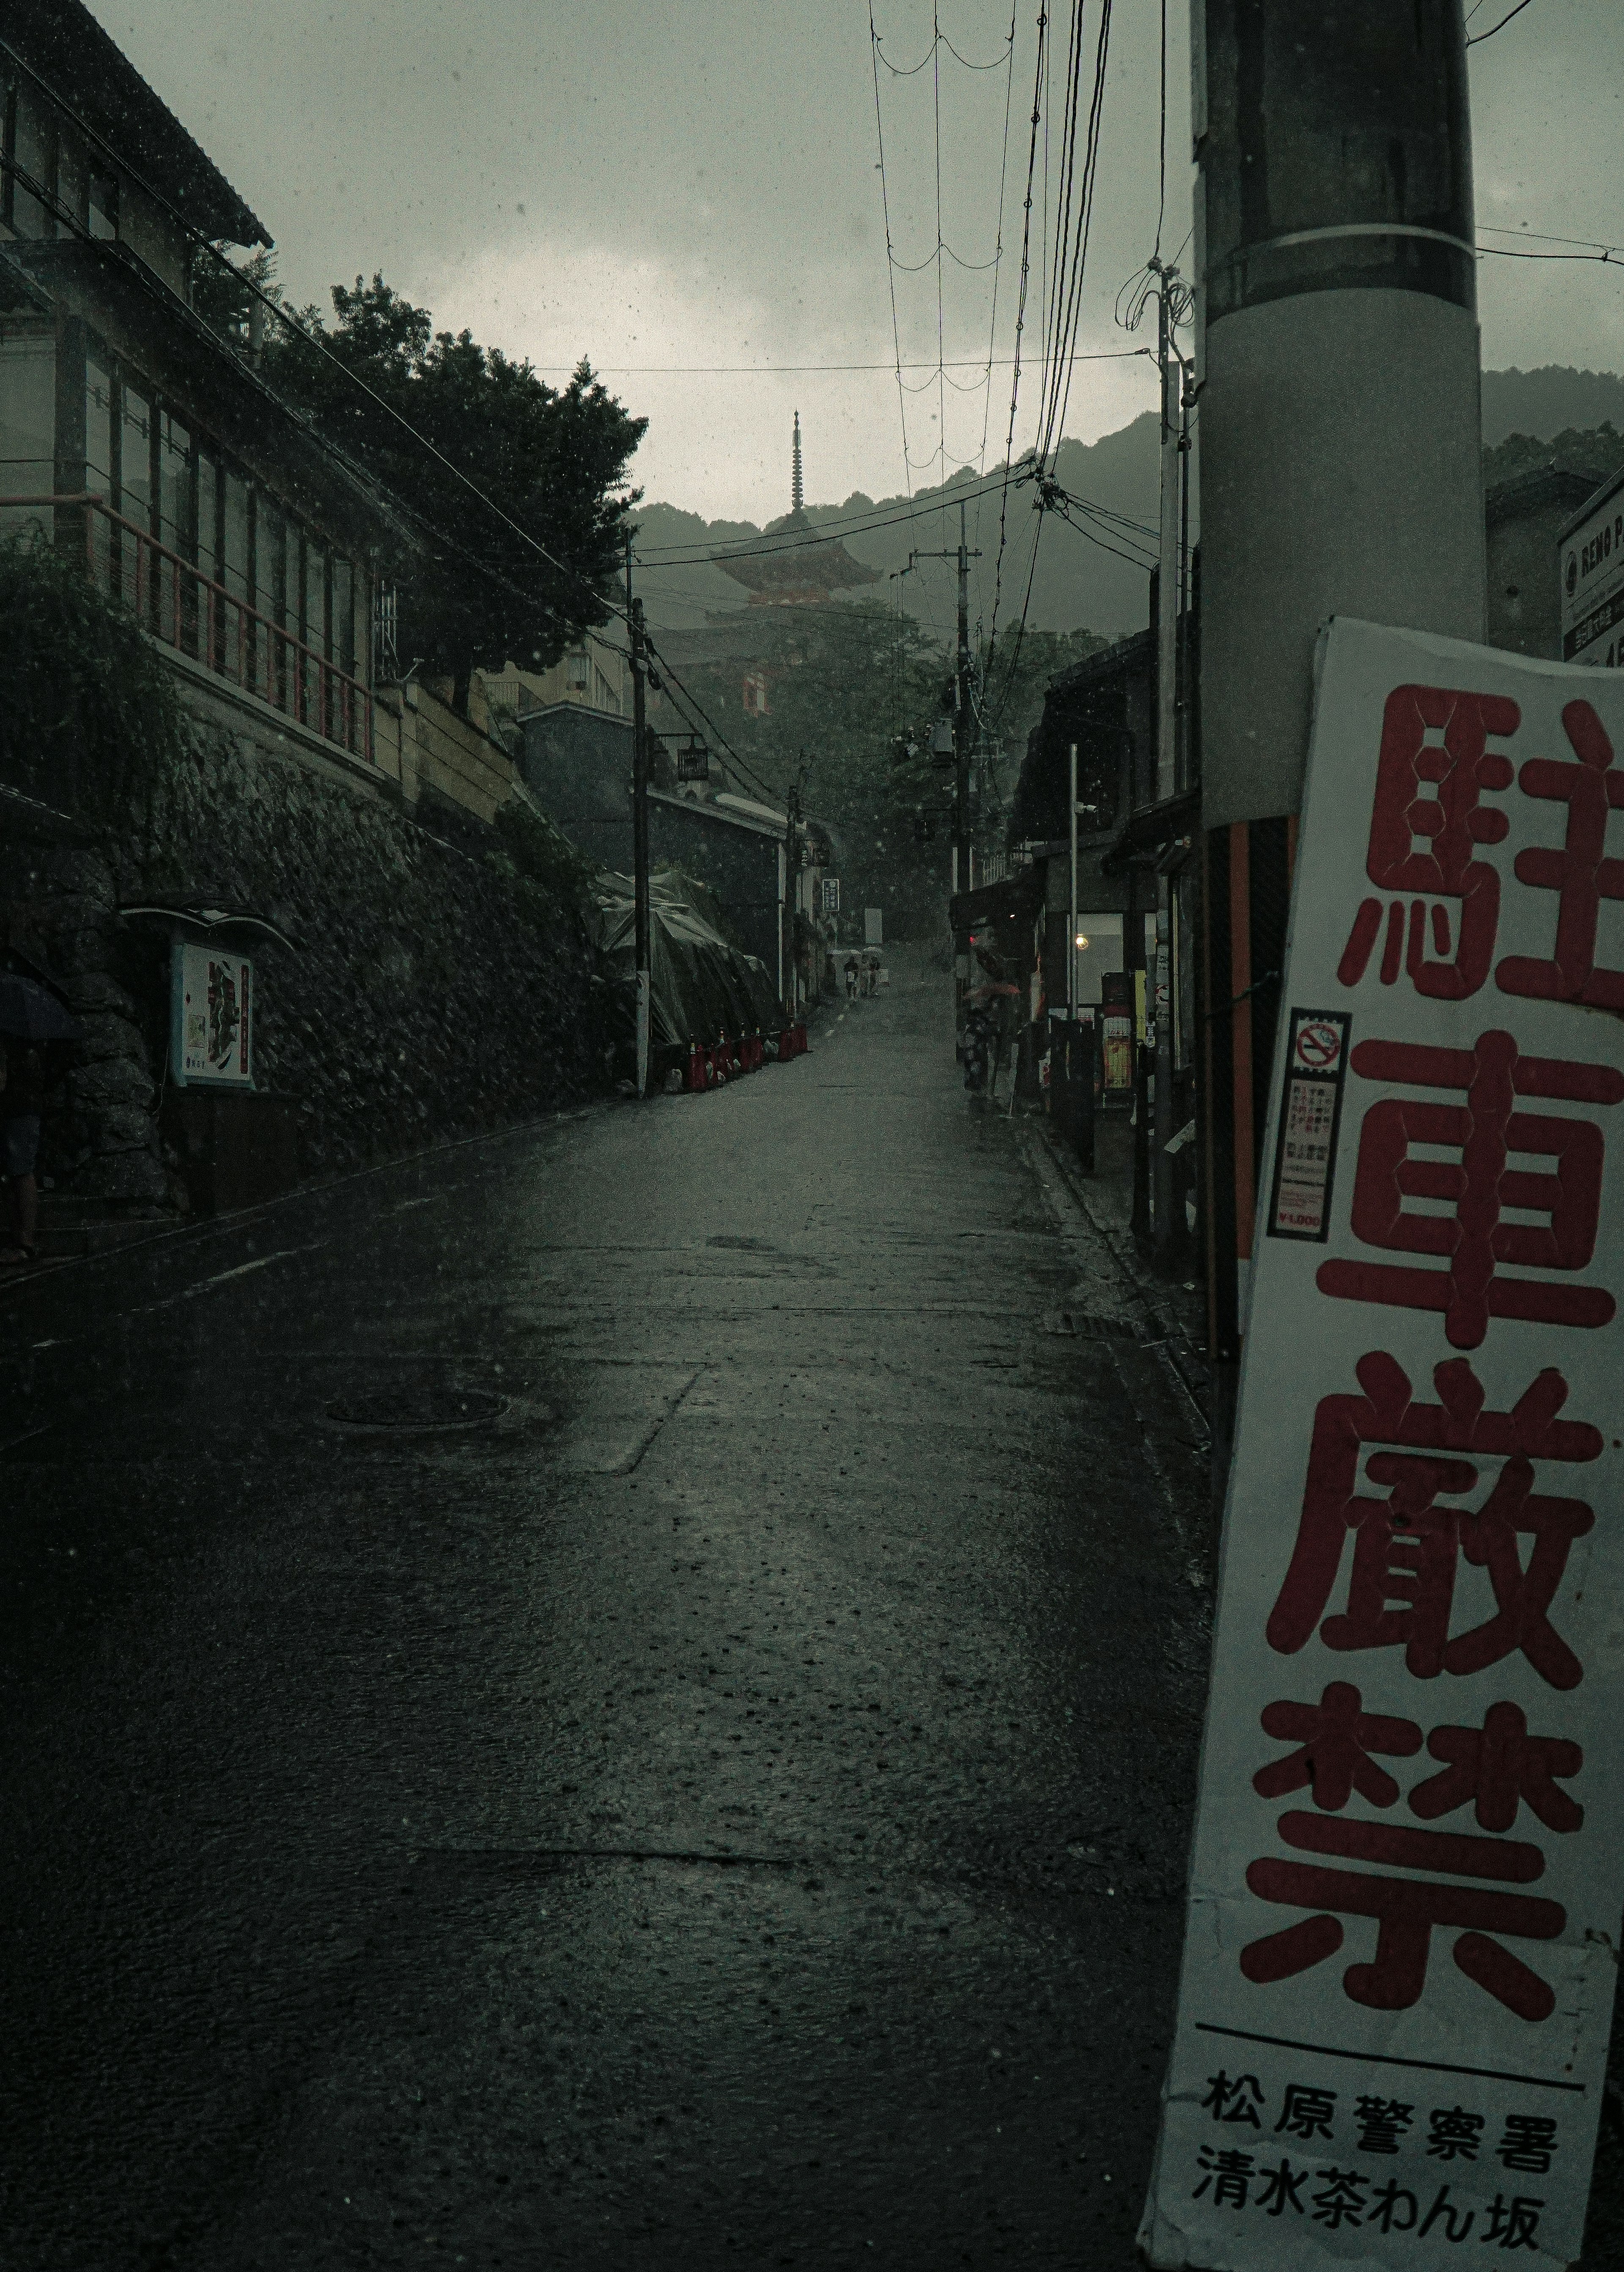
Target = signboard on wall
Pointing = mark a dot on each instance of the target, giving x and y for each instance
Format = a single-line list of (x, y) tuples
[(1409, 1861), (831, 895), (1590, 564), (213, 1014)]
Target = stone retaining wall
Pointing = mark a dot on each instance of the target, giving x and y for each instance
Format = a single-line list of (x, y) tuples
[(424, 1000)]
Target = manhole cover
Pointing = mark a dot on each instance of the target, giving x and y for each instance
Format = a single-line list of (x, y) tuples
[(416, 1410)]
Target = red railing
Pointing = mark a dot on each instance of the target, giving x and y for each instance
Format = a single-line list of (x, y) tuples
[(178, 602)]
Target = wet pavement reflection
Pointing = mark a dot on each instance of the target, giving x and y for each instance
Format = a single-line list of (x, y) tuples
[(624, 1695)]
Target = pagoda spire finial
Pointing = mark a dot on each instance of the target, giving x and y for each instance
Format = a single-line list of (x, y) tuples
[(795, 495)]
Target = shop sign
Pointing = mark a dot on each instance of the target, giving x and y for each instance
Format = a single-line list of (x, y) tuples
[(213, 1015), (1404, 1919), (1590, 565), (831, 895)]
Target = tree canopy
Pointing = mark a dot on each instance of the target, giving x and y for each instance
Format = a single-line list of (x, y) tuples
[(554, 460), (850, 686)]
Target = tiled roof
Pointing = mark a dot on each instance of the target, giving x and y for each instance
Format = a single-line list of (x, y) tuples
[(92, 77)]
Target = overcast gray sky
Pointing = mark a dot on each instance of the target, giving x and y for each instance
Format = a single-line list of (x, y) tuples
[(696, 185)]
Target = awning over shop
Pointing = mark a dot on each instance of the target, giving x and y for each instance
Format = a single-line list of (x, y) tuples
[(1151, 828), (1001, 914)]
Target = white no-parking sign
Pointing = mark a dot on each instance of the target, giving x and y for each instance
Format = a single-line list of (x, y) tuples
[(1409, 1863)]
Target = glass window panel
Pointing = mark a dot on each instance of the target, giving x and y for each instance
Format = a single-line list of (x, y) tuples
[(344, 616), (72, 176), (270, 557), (315, 630), (103, 207), (32, 147), (28, 428), (270, 585), (27, 414), (233, 565), (176, 525), (208, 515), (98, 426), (135, 464)]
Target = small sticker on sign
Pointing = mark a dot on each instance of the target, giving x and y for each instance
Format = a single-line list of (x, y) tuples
[(1310, 1112)]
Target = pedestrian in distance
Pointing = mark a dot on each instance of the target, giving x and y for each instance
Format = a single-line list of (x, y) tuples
[(852, 978)]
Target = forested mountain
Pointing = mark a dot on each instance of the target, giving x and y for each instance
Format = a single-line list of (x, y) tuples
[(1528, 416)]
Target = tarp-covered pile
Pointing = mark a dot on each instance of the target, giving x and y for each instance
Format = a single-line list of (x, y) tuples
[(701, 986)]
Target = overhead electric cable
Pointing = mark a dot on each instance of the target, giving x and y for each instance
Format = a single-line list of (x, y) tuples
[(283, 316), (884, 208), (1038, 111), (1477, 37), (1161, 202), (1003, 183)]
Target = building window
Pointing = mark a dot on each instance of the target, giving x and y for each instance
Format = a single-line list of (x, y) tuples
[(27, 424), (578, 670), (72, 181), (135, 470), (33, 152), (344, 616), (103, 207), (99, 428)]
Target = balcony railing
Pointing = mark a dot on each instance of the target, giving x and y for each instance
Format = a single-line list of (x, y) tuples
[(179, 604)]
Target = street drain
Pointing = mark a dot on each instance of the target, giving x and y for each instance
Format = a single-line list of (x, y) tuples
[(1090, 1326), (417, 1411)]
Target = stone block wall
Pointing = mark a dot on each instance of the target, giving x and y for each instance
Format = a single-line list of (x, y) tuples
[(423, 999)]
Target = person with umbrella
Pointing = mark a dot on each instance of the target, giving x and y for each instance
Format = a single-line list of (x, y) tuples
[(35, 1030)]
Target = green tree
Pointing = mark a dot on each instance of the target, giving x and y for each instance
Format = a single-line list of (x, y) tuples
[(1598, 450), (853, 690), (554, 460)]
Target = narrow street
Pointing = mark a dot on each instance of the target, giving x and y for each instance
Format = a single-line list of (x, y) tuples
[(621, 1695)]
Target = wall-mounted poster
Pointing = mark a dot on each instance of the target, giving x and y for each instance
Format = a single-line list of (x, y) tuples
[(212, 1016)]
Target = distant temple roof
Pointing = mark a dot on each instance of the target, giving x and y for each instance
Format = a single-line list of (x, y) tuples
[(806, 571)]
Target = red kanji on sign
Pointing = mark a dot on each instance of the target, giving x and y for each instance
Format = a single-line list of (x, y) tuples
[(1431, 788), (1337, 1737), (1580, 871), (1497, 1769), (1407, 1546), (1473, 1240), (1406, 1910)]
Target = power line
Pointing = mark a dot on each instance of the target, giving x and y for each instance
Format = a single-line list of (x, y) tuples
[(766, 369), (942, 390), (884, 208), (1003, 185), (1478, 38), (1038, 109), (1062, 382), (1161, 207), (1541, 236), (1610, 256), (316, 341), (839, 525), (669, 679)]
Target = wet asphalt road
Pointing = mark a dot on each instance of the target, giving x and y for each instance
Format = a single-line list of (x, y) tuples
[(730, 1805)]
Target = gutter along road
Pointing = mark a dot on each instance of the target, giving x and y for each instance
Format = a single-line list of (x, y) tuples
[(724, 1796)]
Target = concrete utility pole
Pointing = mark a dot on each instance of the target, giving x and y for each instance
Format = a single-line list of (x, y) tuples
[(1338, 345), (1169, 626), (640, 824), (1340, 437), (1169, 580)]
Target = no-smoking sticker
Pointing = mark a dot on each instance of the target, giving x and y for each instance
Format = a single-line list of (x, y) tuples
[(1316, 1045)]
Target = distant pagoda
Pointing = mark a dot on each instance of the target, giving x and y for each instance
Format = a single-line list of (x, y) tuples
[(803, 573)]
